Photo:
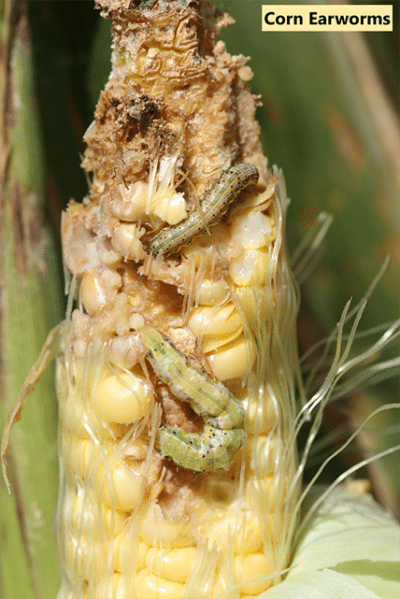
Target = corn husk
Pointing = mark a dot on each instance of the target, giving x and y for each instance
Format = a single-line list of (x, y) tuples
[(30, 304)]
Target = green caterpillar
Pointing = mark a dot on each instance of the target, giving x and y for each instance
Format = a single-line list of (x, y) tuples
[(222, 413), (214, 204)]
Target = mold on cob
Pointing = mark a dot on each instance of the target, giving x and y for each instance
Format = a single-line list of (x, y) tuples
[(137, 518)]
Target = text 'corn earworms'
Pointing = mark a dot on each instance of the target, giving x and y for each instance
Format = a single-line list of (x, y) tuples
[(222, 413), (213, 204)]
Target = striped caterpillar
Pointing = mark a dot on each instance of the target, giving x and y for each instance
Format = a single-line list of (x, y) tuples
[(222, 413), (214, 204)]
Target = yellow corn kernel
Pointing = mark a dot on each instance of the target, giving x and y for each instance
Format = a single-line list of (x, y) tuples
[(85, 457), (249, 268), (218, 587), (262, 453), (123, 398), (215, 321), (159, 531), (128, 488), (116, 586), (93, 519), (212, 343), (86, 557), (173, 564), (151, 586), (255, 565), (128, 553), (233, 362), (211, 293), (73, 414), (245, 534), (249, 538), (261, 415)]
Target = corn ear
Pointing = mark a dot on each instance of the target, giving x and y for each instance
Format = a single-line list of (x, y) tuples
[(130, 522), (30, 301)]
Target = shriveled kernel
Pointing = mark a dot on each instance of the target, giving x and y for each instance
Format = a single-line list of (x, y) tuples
[(212, 293), (93, 292), (80, 323), (126, 241), (123, 398), (111, 280), (126, 350), (110, 258), (79, 347), (220, 489), (249, 268), (233, 362), (170, 208), (151, 586), (255, 565), (173, 564), (129, 203), (245, 73), (136, 321), (252, 230)]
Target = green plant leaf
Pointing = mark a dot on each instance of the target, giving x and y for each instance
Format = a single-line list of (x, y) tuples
[(31, 303)]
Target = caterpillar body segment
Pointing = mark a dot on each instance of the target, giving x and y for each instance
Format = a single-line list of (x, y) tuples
[(213, 204), (222, 413), (190, 383), (211, 450)]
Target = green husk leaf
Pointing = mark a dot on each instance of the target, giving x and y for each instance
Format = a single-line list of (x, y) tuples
[(30, 304), (346, 528), (350, 547), (319, 585)]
